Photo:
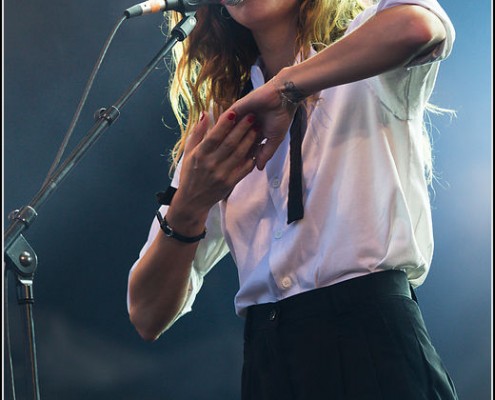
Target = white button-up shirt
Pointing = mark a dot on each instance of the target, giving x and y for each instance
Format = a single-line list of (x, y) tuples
[(366, 204)]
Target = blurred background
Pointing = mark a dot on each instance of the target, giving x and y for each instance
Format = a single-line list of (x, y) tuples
[(90, 231)]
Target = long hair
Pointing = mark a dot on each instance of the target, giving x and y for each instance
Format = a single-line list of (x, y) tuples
[(210, 68)]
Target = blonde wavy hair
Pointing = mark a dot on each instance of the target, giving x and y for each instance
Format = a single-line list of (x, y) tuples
[(210, 68)]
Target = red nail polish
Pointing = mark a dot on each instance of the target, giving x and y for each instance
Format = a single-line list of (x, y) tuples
[(251, 118), (231, 116)]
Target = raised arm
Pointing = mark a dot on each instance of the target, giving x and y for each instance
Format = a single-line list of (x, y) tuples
[(390, 39), (214, 161)]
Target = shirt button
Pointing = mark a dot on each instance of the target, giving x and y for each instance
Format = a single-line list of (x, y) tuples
[(278, 234), (276, 183), (286, 282)]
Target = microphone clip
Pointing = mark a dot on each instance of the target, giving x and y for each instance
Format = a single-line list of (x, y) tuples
[(110, 114)]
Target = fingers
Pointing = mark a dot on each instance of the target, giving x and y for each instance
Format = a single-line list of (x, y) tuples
[(228, 141), (228, 145), (233, 155), (217, 134), (242, 157), (198, 132), (232, 142), (266, 151), (239, 107), (244, 169)]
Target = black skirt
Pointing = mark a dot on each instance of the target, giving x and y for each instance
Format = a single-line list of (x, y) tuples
[(362, 339)]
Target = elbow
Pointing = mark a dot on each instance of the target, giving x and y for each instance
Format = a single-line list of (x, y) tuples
[(151, 316), (147, 328), (147, 335)]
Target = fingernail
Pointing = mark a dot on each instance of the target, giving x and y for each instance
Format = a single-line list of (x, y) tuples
[(202, 116), (231, 115), (251, 118)]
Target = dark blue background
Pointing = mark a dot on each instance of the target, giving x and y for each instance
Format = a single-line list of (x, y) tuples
[(89, 233)]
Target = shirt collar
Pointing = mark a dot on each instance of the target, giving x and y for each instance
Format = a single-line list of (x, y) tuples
[(257, 77)]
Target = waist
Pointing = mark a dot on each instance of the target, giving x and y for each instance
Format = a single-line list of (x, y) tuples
[(331, 300)]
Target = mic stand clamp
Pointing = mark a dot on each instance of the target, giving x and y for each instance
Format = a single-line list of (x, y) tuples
[(21, 258)]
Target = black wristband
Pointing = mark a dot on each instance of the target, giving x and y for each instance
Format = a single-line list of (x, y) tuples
[(177, 236)]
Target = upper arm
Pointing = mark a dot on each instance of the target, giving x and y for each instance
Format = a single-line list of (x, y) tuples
[(427, 25)]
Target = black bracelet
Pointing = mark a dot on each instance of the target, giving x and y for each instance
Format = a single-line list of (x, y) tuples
[(171, 233)]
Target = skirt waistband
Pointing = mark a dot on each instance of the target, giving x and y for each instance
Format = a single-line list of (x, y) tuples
[(331, 300)]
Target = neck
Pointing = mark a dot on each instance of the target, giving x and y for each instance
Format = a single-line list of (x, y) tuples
[(275, 51)]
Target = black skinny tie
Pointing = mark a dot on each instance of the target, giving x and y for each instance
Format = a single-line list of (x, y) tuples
[(295, 208)]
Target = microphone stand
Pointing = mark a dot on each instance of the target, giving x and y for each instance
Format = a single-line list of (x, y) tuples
[(19, 255)]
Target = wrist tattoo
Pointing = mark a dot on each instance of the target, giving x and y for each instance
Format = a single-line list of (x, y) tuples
[(290, 95)]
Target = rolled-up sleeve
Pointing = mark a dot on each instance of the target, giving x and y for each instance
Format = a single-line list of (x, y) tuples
[(443, 49)]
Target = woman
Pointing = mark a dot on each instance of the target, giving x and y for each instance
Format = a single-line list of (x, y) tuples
[(327, 257)]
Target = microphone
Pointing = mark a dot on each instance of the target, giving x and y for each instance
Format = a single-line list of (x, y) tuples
[(153, 6)]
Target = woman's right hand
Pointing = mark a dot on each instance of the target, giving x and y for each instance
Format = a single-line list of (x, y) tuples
[(215, 159)]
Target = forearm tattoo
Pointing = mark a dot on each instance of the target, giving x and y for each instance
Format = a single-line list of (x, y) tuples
[(290, 95)]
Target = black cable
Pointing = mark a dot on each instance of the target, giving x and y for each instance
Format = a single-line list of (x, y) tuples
[(82, 102)]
